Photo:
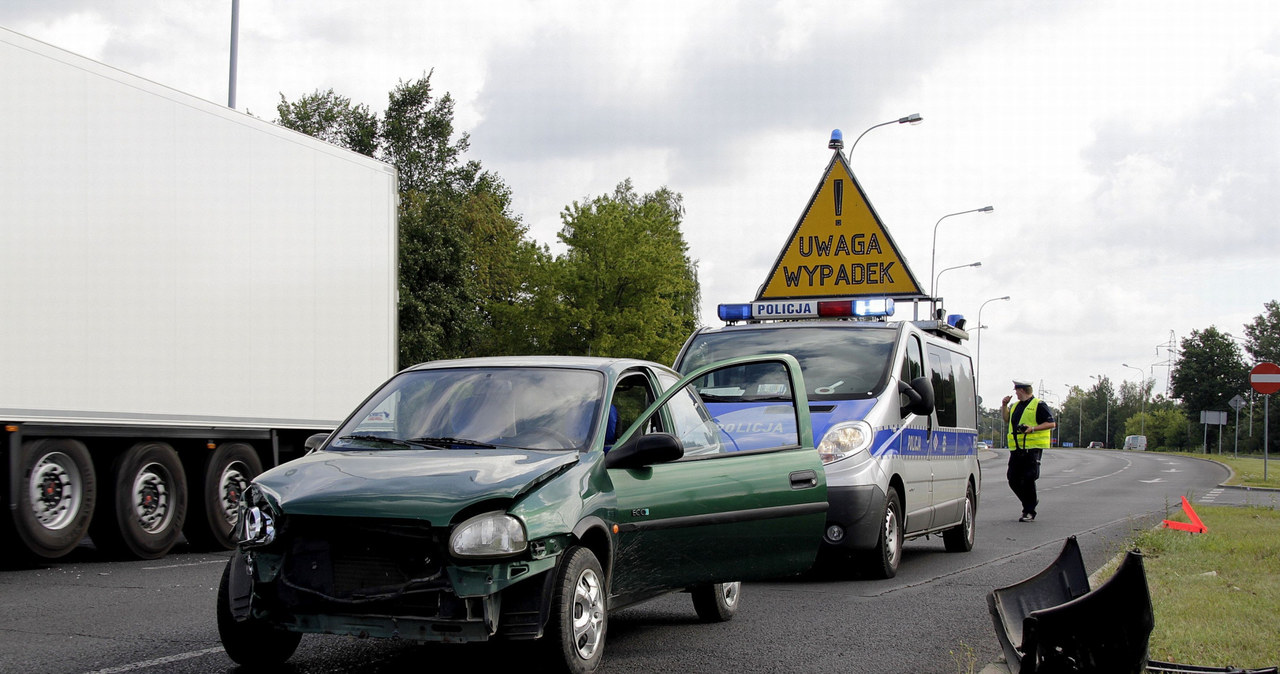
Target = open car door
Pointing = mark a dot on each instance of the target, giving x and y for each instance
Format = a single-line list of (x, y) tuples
[(701, 500)]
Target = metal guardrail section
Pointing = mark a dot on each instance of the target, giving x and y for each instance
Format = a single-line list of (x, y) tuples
[(1052, 623), (1157, 667)]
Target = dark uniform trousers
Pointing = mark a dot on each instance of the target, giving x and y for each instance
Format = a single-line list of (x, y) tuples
[(1024, 470)]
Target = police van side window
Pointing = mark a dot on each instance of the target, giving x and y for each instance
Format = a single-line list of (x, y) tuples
[(944, 385), (913, 362), (966, 404)]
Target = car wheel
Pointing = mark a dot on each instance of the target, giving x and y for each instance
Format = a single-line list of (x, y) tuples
[(579, 616), (56, 494), (960, 537), (224, 475), (882, 560), (716, 603), (251, 642), (145, 503)]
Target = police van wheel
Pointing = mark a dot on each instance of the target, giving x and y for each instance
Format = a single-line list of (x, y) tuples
[(960, 537), (882, 560)]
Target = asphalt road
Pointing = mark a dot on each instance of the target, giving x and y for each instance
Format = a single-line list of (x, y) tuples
[(86, 615)]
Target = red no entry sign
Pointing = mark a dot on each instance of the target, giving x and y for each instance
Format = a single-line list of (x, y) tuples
[(1265, 378)]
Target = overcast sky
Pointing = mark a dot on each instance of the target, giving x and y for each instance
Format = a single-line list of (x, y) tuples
[(1131, 149)]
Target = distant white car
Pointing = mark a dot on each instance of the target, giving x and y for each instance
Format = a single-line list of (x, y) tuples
[(982, 444)]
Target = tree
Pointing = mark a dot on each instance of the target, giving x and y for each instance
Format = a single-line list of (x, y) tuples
[(1263, 334), (1208, 372), (461, 248), (627, 283)]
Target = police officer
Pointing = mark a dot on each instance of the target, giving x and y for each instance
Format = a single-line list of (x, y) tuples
[(1029, 425)]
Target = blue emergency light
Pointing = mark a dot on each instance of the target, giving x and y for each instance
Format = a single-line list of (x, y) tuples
[(837, 140), (956, 321)]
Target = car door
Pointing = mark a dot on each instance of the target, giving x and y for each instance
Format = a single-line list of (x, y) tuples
[(717, 513)]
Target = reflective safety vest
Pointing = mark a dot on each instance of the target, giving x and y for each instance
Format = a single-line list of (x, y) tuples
[(1033, 439)]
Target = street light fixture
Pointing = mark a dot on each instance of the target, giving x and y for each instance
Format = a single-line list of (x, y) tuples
[(977, 376), (933, 255), (959, 266), (1142, 391), (913, 118)]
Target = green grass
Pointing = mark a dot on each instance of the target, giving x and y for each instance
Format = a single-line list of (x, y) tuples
[(1246, 470), (1216, 595)]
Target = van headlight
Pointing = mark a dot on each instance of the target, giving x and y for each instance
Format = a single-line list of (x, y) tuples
[(845, 440), (494, 534)]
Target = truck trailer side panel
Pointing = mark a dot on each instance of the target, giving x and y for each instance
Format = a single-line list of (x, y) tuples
[(171, 267)]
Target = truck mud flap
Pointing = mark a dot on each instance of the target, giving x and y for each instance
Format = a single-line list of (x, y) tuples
[(1053, 623)]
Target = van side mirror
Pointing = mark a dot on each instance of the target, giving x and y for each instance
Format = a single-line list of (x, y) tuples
[(919, 395), (645, 450)]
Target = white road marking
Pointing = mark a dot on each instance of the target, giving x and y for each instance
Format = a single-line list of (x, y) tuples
[(178, 566), (157, 661)]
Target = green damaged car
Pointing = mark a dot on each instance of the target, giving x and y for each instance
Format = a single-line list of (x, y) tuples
[(527, 498)]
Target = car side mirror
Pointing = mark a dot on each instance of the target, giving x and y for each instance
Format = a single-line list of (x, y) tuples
[(645, 450), (919, 395), (314, 441)]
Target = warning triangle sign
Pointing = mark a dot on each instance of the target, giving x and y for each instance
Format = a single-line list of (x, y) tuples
[(839, 248)]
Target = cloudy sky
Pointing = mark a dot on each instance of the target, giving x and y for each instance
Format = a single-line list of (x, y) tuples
[(1131, 149)]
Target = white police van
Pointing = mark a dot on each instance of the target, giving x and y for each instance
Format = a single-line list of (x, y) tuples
[(893, 409)]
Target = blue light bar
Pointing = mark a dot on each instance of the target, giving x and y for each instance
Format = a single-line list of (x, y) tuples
[(956, 321), (735, 312), (877, 307)]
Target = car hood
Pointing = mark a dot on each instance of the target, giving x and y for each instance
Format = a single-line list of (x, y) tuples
[(429, 485)]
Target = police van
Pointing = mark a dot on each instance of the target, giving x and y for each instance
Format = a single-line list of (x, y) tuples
[(893, 409)]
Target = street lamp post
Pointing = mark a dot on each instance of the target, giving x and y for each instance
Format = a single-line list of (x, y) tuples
[(959, 266), (933, 255), (977, 377), (1106, 400), (1142, 391), (913, 118)]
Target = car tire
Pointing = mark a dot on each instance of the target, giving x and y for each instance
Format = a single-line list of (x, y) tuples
[(251, 642), (716, 603), (145, 503), (960, 537), (579, 617), (57, 490), (882, 561), (223, 474)]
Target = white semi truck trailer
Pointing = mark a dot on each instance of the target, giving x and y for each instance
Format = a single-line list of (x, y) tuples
[(186, 294)]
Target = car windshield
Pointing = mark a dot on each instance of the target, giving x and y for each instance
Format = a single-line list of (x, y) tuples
[(838, 363), (470, 408)]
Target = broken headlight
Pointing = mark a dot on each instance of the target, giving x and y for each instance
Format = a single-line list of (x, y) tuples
[(494, 534), (257, 524)]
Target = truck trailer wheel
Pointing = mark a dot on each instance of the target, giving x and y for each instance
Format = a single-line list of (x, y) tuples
[(57, 490), (224, 475), (145, 503)]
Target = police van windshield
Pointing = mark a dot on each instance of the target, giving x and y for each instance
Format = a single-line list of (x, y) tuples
[(838, 363)]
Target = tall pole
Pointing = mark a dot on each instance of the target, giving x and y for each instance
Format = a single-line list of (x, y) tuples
[(235, 48), (977, 377), (933, 255), (1142, 391)]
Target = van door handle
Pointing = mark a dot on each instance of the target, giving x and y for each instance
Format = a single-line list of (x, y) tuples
[(804, 479)]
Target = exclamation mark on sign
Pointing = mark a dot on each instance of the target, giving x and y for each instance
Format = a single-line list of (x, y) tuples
[(839, 194)]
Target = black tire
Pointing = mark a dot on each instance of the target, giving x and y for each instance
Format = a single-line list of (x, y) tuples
[(57, 493), (716, 603), (960, 537), (145, 503), (223, 475), (883, 560), (579, 617), (251, 642)]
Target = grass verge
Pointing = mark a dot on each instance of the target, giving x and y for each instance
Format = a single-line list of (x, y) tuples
[(1216, 595)]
